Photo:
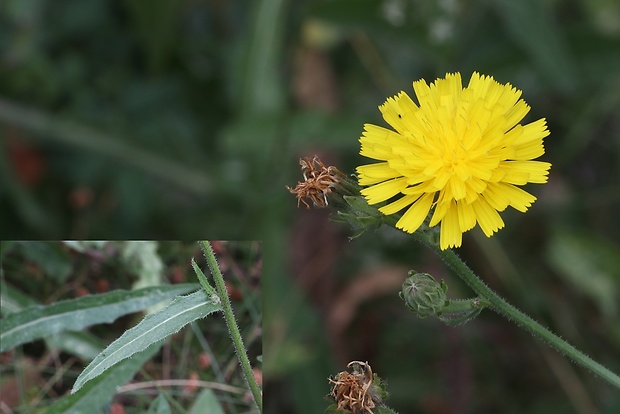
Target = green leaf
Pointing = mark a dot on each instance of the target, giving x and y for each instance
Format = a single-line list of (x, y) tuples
[(153, 328), (206, 402), (95, 397), (73, 315), (13, 300), (82, 344), (210, 290), (159, 406)]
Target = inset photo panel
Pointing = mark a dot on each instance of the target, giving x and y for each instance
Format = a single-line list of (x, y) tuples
[(131, 327)]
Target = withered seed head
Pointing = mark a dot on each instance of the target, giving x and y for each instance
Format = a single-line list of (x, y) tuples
[(352, 390), (318, 182)]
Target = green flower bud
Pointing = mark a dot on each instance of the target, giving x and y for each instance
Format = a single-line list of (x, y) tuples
[(423, 294)]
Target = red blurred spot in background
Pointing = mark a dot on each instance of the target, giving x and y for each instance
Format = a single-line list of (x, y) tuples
[(204, 360), (81, 197), (116, 408), (81, 291), (177, 275), (233, 292), (191, 386), (26, 161), (102, 285)]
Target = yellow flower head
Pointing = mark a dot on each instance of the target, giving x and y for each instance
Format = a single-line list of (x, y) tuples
[(461, 153)]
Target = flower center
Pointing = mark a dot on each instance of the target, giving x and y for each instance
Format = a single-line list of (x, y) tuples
[(456, 163)]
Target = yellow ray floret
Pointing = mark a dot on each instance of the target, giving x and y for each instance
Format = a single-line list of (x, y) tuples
[(458, 155)]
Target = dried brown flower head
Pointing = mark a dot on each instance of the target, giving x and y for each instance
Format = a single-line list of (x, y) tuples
[(352, 390), (318, 182)]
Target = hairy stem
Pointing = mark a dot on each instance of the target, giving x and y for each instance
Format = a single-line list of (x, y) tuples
[(505, 309), (220, 286)]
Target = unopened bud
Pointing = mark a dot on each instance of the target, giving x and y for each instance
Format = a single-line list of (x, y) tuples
[(423, 294)]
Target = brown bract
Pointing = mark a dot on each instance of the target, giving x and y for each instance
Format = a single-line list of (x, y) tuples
[(318, 182), (352, 389)]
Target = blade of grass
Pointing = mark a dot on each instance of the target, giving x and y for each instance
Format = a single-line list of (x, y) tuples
[(262, 87)]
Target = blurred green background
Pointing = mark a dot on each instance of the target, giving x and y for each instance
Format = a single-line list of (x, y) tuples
[(186, 119)]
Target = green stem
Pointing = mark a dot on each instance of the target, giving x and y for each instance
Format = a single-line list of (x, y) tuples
[(428, 238), (232, 324), (464, 305), (502, 307)]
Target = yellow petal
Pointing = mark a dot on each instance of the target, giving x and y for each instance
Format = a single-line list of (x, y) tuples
[(375, 173), (487, 217), (467, 216), (416, 214), (381, 192), (460, 152), (396, 206), (450, 234)]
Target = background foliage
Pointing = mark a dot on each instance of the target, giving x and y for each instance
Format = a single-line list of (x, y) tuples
[(180, 119)]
